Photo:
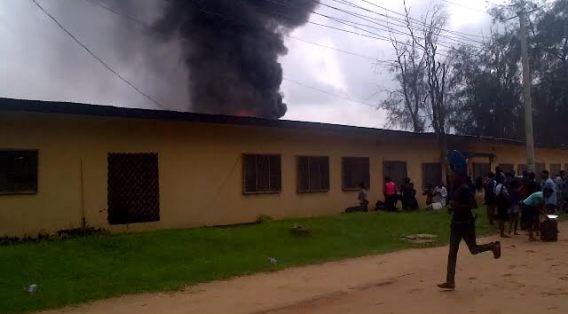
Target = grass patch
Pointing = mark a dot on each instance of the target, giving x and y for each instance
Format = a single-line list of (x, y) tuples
[(101, 266)]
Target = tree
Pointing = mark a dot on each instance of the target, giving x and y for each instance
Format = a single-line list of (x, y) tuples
[(550, 73), (423, 76), (437, 77), (487, 88), (406, 104)]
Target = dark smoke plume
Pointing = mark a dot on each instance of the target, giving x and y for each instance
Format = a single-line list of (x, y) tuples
[(231, 48)]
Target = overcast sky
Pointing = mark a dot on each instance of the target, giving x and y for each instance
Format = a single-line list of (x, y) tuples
[(39, 61)]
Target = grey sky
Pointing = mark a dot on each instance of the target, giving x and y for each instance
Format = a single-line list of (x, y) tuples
[(39, 61)]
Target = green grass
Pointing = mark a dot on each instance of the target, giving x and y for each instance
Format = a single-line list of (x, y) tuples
[(84, 269)]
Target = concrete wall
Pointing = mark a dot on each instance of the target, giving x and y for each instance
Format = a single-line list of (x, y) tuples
[(200, 169)]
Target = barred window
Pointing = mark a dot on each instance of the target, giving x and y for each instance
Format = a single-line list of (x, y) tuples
[(313, 174), (262, 173), (355, 170), (18, 171), (431, 174), (396, 170), (133, 188)]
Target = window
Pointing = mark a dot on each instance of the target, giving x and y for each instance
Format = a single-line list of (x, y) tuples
[(396, 170), (133, 188), (431, 174), (480, 169), (313, 174), (555, 169), (507, 168), (355, 170), (261, 174), (18, 171)]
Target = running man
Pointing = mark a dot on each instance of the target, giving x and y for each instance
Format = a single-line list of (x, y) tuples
[(463, 227)]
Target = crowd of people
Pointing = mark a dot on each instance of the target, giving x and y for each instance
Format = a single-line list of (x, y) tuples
[(521, 201), (405, 194), (510, 200)]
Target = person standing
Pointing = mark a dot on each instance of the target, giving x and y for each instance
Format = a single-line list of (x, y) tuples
[(503, 202), (390, 194), (405, 192), (561, 192), (515, 190), (412, 201), (440, 194), (490, 200), (408, 195), (550, 202), (530, 186), (363, 197), (463, 227), (429, 193)]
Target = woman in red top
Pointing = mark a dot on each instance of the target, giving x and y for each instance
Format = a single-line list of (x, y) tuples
[(390, 194)]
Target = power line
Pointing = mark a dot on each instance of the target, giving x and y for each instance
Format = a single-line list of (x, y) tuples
[(339, 50), (360, 26), (122, 14), (143, 24), (398, 22), (466, 35), (464, 6), (102, 62), (285, 79), (355, 25), (327, 92)]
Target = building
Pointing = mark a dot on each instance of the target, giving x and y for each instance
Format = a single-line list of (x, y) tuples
[(62, 164)]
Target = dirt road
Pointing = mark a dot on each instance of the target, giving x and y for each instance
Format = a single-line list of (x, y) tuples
[(529, 278)]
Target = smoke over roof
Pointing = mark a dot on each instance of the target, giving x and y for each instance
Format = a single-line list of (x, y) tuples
[(231, 49)]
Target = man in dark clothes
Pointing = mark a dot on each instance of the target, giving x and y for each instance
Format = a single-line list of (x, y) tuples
[(490, 199), (531, 184), (463, 227), (408, 195)]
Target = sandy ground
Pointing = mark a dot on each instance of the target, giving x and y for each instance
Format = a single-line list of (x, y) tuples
[(529, 278)]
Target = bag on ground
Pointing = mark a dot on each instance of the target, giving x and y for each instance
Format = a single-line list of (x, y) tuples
[(549, 230)]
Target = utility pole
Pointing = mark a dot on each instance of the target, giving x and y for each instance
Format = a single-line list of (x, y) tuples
[(529, 137)]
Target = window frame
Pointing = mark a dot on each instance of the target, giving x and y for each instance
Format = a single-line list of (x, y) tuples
[(298, 175), (244, 174), (356, 187), (423, 166), (34, 191), (393, 162), (116, 217)]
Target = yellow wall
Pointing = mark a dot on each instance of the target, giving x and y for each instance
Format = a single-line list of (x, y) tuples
[(200, 169)]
